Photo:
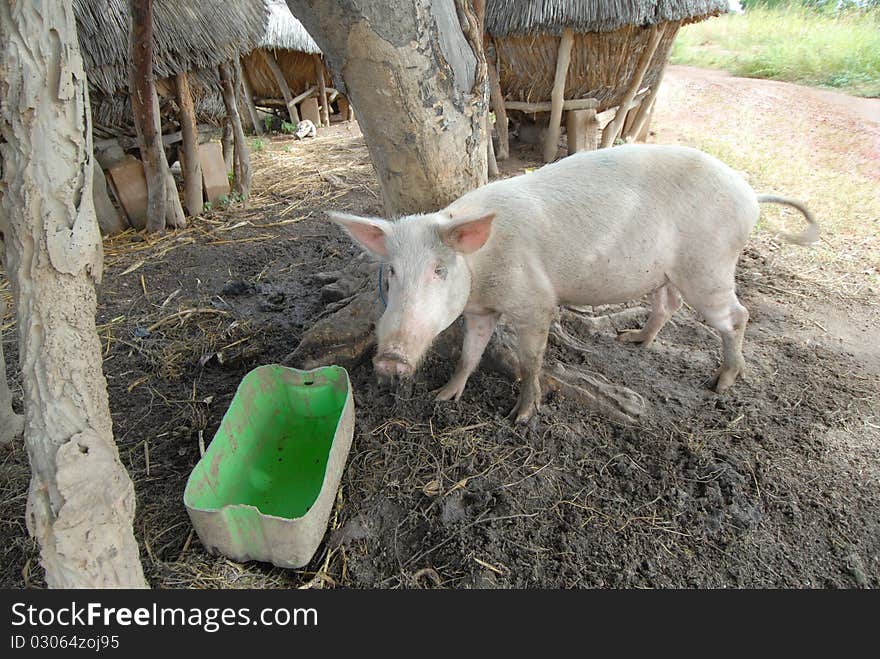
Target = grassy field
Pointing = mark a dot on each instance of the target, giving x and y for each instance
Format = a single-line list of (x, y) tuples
[(791, 43)]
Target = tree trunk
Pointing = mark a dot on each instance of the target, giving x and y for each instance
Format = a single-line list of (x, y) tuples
[(81, 501), (241, 181), (416, 73), (145, 109), (226, 144), (280, 80), (192, 167)]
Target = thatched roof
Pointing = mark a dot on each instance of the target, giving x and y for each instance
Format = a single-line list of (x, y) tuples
[(509, 17), (285, 32), (187, 36)]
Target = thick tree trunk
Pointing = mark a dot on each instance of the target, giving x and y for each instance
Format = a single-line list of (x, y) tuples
[(241, 181), (416, 73), (280, 80), (192, 167), (145, 109), (81, 501)]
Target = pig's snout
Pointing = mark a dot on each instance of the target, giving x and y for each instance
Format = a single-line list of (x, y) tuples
[(391, 363)]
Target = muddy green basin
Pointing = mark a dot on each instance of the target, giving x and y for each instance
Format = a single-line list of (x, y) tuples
[(266, 485)]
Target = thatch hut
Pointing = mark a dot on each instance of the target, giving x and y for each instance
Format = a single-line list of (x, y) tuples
[(190, 41), (599, 61), (287, 69)]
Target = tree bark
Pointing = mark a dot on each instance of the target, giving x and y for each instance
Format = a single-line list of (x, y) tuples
[(280, 80), (322, 90), (145, 108), (416, 73), (81, 501), (192, 167), (241, 181)]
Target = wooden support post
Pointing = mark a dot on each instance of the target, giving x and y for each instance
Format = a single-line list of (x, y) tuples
[(241, 181), (613, 129), (322, 90), (344, 107), (145, 110), (269, 59), (557, 96), (192, 166), (499, 108), (639, 128), (247, 97), (226, 144), (582, 130)]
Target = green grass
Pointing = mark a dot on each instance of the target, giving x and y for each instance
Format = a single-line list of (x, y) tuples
[(791, 43)]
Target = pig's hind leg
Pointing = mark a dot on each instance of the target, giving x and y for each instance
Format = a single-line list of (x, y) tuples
[(722, 310), (665, 302), (478, 330)]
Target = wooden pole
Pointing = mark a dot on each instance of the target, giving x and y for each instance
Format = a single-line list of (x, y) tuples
[(646, 109), (322, 90), (246, 97), (582, 130), (611, 130), (241, 181), (546, 106), (269, 59), (557, 96), (499, 107), (145, 108), (192, 166), (226, 144)]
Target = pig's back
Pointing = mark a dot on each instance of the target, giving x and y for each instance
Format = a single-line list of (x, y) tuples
[(611, 225)]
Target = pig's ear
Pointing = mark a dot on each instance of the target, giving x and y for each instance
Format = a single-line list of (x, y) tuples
[(467, 234), (369, 232)]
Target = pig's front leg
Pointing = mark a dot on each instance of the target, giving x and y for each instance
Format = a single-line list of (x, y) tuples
[(477, 332), (531, 336)]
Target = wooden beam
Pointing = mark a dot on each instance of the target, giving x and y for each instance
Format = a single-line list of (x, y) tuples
[(643, 117), (269, 59), (322, 90), (206, 133), (557, 95), (192, 167), (545, 106), (613, 129), (247, 96), (241, 181), (145, 110)]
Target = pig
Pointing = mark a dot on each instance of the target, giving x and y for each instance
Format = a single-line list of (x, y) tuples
[(597, 227)]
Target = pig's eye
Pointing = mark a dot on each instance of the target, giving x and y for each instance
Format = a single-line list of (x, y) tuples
[(441, 271), (390, 271)]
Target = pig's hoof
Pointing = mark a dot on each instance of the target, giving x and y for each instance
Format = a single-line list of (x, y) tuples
[(522, 414), (450, 391), (724, 379), (635, 336), (11, 428)]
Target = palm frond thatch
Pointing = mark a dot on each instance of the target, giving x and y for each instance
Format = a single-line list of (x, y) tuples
[(521, 17), (187, 36), (285, 32)]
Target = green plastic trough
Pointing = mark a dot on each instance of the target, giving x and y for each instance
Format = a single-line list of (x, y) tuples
[(266, 485)]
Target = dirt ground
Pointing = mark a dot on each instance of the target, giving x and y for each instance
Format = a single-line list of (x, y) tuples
[(774, 484)]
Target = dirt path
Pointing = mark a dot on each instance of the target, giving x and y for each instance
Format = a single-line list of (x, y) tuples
[(774, 484)]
